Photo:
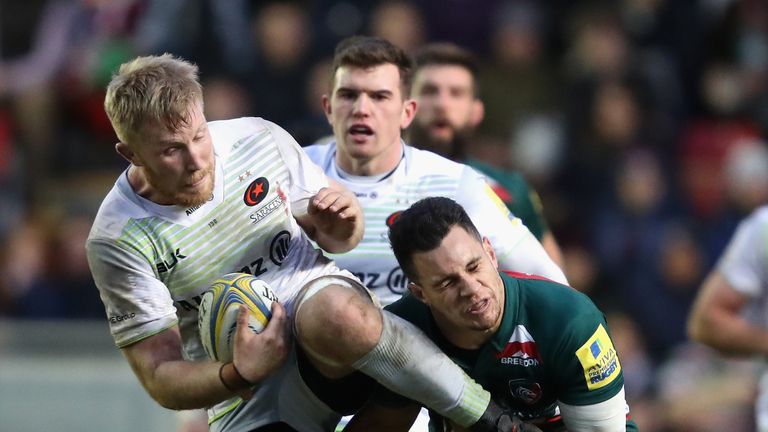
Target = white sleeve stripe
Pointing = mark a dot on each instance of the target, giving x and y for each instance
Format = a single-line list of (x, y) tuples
[(606, 416)]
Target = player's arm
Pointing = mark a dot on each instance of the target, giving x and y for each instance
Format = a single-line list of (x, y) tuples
[(179, 384), (334, 219), (151, 341), (606, 416), (716, 320), (516, 248), (739, 277)]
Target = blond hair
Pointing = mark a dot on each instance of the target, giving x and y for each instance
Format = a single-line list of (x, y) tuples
[(152, 88)]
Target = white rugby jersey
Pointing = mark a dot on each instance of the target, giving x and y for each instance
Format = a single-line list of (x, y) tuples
[(151, 263), (421, 174)]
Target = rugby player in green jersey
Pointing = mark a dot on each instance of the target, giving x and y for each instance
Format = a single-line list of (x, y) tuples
[(445, 86), (542, 349)]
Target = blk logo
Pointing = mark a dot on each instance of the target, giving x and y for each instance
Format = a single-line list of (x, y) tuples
[(166, 265), (256, 191)]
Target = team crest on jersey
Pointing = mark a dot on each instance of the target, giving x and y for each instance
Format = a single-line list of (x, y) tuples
[(599, 360), (392, 218), (256, 191), (521, 350), (527, 392)]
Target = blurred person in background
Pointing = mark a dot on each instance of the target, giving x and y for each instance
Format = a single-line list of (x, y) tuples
[(730, 313), (446, 89), (400, 22)]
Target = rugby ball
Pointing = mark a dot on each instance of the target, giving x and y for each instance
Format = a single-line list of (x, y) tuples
[(217, 316)]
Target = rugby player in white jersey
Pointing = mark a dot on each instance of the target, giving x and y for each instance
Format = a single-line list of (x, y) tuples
[(203, 199), (368, 108)]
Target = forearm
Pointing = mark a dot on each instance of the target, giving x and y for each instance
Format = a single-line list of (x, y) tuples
[(729, 334), (181, 385), (173, 382), (716, 320)]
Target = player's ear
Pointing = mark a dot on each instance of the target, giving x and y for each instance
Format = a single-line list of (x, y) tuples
[(478, 112), (416, 291), (409, 112), (491, 253), (325, 101), (127, 153)]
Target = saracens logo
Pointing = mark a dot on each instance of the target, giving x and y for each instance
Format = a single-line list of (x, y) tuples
[(521, 349), (256, 191), (392, 218)]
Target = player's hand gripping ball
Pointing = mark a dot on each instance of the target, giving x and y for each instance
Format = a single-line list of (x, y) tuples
[(217, 318)]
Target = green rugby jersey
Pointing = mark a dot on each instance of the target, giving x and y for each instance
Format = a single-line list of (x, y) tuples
[(552, 345), (516, 194)]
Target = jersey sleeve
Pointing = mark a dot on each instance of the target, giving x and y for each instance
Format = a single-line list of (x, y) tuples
[(306, 178), (744, 262), (590, 370), (516, 248), (138, 305)]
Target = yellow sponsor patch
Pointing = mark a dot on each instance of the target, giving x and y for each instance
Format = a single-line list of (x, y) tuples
[(599, 360), (499, 203)]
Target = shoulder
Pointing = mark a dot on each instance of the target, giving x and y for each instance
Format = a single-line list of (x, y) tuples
[(758, 217), (544, 297), (116, 211), (508, 178), (425, 163), (412, 310), (320, 152)]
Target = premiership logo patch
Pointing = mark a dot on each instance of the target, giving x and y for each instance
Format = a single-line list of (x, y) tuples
[(521, 350), (599, 360)]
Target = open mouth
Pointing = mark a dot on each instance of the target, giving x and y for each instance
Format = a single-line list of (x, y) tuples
[(478, 307), (360, 131)]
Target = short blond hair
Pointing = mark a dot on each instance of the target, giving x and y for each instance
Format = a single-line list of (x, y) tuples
[(151, 88)]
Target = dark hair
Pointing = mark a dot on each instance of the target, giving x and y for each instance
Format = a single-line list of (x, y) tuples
[(448, 54), (423, 226), (370, 51)]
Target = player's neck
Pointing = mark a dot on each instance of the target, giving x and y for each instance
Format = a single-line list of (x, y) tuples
[(463, 338), (137, 178), (378, 165)]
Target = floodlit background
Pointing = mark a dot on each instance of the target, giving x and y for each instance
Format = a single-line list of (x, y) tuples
[(641, 123)]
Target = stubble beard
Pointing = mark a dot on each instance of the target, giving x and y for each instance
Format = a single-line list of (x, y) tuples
[(454, 148), (179, 197)]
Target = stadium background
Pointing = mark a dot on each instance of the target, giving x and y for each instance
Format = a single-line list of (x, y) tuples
[(641, 123)]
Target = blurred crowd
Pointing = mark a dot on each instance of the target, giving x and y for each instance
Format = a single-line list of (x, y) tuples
[(641, 123)]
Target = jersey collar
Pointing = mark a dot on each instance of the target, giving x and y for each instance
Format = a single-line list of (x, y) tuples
[(510, 318)]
